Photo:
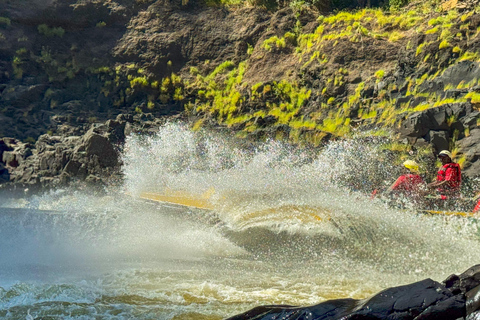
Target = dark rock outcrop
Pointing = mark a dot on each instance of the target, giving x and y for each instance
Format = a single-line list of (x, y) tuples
[(66, 54), (90, 156), (437, 126), (67, 64), (458, 297), (443, 118)]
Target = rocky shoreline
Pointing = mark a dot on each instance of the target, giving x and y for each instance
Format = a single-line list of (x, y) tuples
[(75, 156), (73, 66), (457, 297)]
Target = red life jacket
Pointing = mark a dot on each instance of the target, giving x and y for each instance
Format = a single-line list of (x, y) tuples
[(477, 207), (452, 173), (408, 183)]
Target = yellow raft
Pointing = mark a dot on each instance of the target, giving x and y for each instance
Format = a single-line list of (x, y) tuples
[(180, 198), (449, 213), (463, 203), (204, 202)]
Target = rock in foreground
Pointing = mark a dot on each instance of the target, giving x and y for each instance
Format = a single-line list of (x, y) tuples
[(456, 298)]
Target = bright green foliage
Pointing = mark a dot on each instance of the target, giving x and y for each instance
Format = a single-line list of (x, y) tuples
[(224, 100), (221, 100), (395, 36), (471, 56), (249, 49), (127, 81), (220, 69), (431, 31), (358, 91), (17, 70), (139, 81), (178, 96), (456, 50), (474, 96), (444, 44), (274, 41), (421, 80), (194, 71), (380, 74), (369, 115), (445, 35), (420, 48)]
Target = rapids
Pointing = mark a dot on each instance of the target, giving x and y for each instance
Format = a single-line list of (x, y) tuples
[(288, 228)]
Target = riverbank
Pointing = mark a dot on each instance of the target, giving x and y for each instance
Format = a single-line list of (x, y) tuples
[(292, 74)]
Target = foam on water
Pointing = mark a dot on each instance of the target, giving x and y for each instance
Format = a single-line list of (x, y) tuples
[(257, 184), (289, 228)]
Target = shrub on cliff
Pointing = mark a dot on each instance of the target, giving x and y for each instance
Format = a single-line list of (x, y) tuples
[(397, 4)]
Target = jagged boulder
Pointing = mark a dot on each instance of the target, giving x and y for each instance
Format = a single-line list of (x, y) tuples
[(96, 145), (176, 36), (471, 150), (445, 117), (439, 140), (14, 152), (54, 160), (437, 126), (458, 297)]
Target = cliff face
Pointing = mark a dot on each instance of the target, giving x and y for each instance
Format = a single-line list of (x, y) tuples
[(49, 51), (73, 61), (292, 74)]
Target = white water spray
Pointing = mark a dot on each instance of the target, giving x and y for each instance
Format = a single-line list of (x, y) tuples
[(265, 193), (289, 228)]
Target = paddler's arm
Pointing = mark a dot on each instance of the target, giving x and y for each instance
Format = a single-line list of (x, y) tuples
[(436, 184), (393, 186)]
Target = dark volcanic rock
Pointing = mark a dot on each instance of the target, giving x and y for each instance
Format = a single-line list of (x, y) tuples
[(172, 34), (420, 123), (67, 13), (437, 126), (56, 160), (458, 297), (99, 146), (4, 175), (22, 96)]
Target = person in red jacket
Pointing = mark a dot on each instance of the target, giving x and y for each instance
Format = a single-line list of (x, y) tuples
[(449, 177), (409, 184)]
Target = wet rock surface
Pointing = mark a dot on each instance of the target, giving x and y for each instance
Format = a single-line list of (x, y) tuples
[(89, 155), (458, 297)]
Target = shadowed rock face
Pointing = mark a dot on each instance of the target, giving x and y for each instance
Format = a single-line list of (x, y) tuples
[(55, 78), (59, 81), (76, 155), (458, 297)]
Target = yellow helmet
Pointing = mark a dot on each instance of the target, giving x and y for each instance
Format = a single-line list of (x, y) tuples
[(411, 165), (445, 153)]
